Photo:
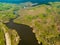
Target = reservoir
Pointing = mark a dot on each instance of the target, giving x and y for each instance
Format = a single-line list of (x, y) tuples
[(33, 1)]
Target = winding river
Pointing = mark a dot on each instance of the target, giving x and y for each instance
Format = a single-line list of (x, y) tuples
[(25, 32)]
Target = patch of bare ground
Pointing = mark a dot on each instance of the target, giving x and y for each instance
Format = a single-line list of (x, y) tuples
[(33, 11)]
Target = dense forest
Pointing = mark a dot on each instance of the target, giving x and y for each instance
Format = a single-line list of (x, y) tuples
[(44, 19)]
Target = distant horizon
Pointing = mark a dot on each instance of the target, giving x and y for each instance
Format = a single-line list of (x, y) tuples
[(33, 1)]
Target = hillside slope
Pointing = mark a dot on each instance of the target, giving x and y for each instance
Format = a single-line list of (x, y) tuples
[(45, 21)]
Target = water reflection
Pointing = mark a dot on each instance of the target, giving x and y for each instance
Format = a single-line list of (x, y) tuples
[(25, 32)]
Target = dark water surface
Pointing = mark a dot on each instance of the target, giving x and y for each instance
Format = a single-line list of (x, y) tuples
[(25, 32)]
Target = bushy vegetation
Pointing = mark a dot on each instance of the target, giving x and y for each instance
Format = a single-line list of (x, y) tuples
[(2, 39), (8, 36), (45, 21)]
